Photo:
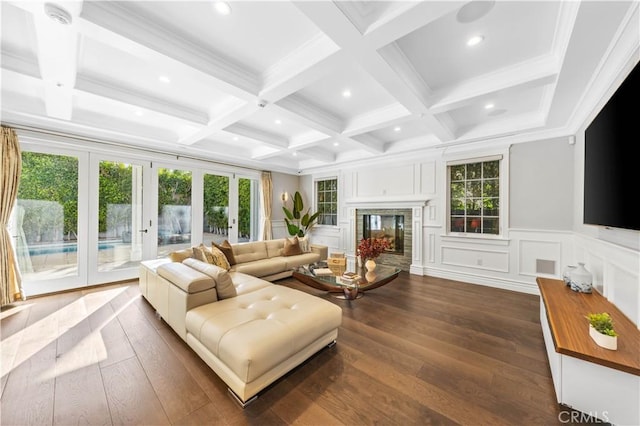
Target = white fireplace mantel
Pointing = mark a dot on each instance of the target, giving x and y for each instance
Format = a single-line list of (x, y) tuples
[(387, 202)]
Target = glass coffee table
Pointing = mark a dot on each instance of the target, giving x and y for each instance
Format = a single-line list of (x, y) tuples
[(335, 285)]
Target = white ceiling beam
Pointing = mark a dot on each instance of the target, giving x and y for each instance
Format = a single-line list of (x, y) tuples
[(318, 154), (96, 86), (311, 61), (310, 115), (533, 73), (564, 28), (57, 47), (233, 115), (119, 26), (332, 21), (377, 119), (259, 135), (404, 21), (369, 143)]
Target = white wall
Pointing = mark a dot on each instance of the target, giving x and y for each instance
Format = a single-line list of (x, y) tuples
[(281, 183), (545, 211)]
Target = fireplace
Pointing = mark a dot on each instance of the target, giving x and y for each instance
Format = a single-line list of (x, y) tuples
[(396, 225), (389, 227)]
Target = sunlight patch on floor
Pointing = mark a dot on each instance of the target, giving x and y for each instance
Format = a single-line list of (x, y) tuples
[(19, 347), (14, 310)]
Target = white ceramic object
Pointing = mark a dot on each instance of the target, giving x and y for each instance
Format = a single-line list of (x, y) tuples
[(566, 274), (607, 342), (581, 279)]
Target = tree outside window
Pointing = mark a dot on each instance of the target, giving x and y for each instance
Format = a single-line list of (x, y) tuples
[(327, 201), (474, 196)]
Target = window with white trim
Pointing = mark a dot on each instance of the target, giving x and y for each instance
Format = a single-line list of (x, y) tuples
[(474, 196), (327, 201)]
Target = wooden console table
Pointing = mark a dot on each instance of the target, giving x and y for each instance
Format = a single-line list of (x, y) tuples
[(591, 379)]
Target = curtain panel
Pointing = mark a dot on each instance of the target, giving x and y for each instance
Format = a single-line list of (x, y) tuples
[(10, 169), (267, 197)]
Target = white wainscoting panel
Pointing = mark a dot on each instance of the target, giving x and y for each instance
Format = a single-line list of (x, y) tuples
[(388, 181), (530, 251), (616, 270), (476, 258)]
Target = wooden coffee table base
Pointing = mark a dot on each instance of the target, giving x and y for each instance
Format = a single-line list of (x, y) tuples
[(364, 285)]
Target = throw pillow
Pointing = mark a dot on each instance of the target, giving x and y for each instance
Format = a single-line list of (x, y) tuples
[(225, 247), (218, 258), (199, 253), (291, 247)]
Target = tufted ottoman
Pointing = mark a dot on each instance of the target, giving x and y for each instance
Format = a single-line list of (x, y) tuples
[(254, 338)]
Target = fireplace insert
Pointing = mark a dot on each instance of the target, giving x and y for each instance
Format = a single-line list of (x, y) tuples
[(388, 227)]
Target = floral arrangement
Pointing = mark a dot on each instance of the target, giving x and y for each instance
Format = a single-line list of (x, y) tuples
[(370, 248)]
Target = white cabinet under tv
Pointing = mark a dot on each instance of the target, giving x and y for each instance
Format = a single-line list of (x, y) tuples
[(595, 381)]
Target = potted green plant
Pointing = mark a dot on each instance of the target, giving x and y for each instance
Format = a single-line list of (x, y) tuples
[(299, 224), (601, 330)]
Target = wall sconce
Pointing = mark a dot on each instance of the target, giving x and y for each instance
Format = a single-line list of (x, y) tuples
[(284, 197)]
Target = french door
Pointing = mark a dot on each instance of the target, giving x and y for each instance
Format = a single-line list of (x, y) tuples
[(85, 218), (122, 226)]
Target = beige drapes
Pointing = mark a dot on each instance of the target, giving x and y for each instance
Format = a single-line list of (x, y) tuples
[(267, 194), (10, 168)]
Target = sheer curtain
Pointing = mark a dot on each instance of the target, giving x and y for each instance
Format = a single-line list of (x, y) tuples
[(267, 193), (10, 168)]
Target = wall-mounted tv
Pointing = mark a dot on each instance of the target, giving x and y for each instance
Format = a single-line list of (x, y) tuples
[(611, 162)]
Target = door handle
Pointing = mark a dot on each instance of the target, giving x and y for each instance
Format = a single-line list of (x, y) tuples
[(143, 230)]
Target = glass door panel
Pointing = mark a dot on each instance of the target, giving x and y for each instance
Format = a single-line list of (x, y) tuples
[(44, 223), (174, 210), (119, 216), (215, 220), (247, 228)]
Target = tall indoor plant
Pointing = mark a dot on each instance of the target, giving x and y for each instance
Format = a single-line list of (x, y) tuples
[(299, 224)]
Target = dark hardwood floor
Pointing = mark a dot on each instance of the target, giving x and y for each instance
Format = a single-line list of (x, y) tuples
[(420, 350)]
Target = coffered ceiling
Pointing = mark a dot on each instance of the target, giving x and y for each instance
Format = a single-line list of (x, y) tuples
[(304, 85)]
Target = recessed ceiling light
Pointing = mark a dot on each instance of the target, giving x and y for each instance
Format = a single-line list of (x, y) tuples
[(475, 40), (164, 79), (222, 7), (278, 121), (336, 144), (346, 93), (397, 129), (295, 154), (489, 106), (235, 138), (139, 113)]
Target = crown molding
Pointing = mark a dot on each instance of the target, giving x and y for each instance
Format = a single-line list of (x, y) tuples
[(129, 22)]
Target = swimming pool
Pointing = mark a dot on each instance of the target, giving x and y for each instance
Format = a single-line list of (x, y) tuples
[(67, 248)]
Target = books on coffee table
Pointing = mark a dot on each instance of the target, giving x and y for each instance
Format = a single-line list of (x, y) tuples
[(322, 271), (350, 278)]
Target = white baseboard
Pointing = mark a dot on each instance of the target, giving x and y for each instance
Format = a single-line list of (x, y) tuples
[(505, 284)]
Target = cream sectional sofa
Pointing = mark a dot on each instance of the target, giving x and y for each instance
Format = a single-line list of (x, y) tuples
[(264, 259), (248, 330)]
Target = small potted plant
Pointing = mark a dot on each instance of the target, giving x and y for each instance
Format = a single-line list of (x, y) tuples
[(602, 332)]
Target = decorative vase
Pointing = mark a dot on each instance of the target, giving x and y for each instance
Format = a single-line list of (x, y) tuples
[(370, 265), (581, 279), (603, 340), (566, 274)]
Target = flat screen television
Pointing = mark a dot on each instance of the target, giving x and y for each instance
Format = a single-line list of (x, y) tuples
[(611, 161)]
